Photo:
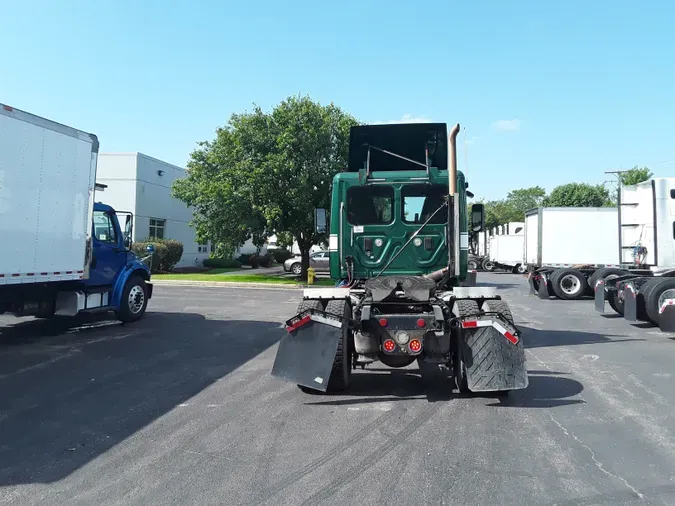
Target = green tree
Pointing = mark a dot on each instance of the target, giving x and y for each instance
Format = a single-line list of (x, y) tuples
[(578, 195), (635, 175), (265, 173), (525, 199)]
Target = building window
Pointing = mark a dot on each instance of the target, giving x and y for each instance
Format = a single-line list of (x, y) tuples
[(157, 228), (203, 247)]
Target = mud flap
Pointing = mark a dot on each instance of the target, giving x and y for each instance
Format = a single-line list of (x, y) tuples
[(532, 281), (543, 288), (600, 296), (307, 351), (493, 355), (630, 309), (667, 316)]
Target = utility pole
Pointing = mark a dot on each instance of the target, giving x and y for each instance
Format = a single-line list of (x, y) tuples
[(617, 173)]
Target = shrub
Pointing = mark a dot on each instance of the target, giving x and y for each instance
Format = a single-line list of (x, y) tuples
[(280, 255), (244, 258), (167, 253), (222, 263), (265, 261), (254, 260), (174, 252)]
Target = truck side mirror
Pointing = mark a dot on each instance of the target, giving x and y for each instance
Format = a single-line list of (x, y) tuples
[(150, 248), (477, 217), (320, 222), (128, 224)]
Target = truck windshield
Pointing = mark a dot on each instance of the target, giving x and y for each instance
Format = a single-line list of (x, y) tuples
[(370, 205), (420, 202)]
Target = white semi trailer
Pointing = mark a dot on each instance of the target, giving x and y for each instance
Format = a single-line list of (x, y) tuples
[(566, 247)]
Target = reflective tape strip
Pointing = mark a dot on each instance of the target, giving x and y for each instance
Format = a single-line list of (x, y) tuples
[(472, 324), (58, 273)]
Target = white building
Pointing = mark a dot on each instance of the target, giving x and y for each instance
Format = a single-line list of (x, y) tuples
[(141, 185)]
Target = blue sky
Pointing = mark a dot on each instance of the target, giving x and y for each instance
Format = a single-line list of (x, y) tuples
[(546, 92)]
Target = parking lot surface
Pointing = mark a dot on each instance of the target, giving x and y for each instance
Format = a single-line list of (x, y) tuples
[(180, 408)]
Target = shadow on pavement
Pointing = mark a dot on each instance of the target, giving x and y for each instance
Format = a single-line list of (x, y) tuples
[(546, 389), (68, 394), (535, 338)]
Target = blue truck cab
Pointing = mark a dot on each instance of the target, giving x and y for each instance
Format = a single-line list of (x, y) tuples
[(118, 280)]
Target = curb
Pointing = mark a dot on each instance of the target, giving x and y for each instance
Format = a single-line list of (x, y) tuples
[(226, 284)]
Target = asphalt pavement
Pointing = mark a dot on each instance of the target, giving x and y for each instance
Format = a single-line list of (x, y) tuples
[(180, 408)]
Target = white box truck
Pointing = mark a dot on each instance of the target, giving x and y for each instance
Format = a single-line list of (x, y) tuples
[(61, 253), (565, 246), (506, 249)]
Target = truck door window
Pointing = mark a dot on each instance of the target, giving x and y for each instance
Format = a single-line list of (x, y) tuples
[(104, 230), (370, 205), (420, 202)]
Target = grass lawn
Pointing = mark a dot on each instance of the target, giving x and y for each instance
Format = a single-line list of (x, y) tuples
[(223, 276)]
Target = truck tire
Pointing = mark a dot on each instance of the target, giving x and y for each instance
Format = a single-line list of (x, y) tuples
[(472, 265), (462, 308), (602, 273), (569, 284), (134, 300), (340, 376), (615, 302), (652, 292), (488, 265), (501, 307), (521, 268)]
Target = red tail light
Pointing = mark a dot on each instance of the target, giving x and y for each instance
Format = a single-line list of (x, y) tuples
[(383, 322), (389, 345), (421, 323), (415, 345)]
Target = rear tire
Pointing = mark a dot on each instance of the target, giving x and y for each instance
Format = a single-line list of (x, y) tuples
[(501, 307), (134, 300), (602, 273), (462, 308), (340, 376), (296, 268), (569, 284), (652, 291), (488, 265)]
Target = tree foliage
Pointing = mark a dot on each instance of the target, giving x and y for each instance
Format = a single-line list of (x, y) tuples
[(635, 175), (578, 195), (265, 173), (513, 207)]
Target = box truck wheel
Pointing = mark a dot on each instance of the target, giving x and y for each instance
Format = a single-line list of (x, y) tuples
[(134, 300), (488, 265), (569, 284)]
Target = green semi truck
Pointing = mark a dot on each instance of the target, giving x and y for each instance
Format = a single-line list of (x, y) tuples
[(398, 242)]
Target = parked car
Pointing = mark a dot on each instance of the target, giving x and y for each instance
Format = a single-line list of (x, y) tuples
[(317, 260)]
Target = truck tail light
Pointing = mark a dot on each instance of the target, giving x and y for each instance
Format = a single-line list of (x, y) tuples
[(415, 345), (389, 345)]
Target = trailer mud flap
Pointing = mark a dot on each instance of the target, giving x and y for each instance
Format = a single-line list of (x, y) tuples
[(600, 296), (630, 303), (532, 281), (542, 283), (307, 351), (493, 355)]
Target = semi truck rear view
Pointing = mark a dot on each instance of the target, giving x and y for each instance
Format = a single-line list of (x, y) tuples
[(61, 253)]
